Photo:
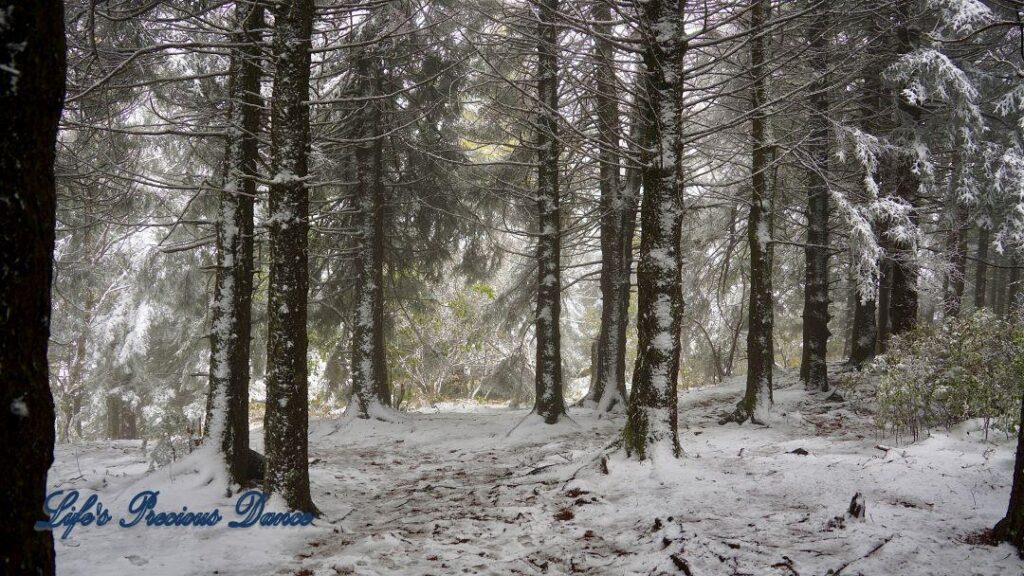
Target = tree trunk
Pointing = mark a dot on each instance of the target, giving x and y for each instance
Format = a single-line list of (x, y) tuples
[(1011, 527), (981, 271), (286, 422), (652, 417), (232, 303), (903, 304), (370, 387), (956, 244), (549, 403), (884, 299), (31, 97), (1013, 290), (609, 390), (757, 399), (813, 368)]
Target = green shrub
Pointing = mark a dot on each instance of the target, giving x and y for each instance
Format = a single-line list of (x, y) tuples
[(970, 367)]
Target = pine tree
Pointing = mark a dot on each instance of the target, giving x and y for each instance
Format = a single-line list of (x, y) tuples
[(618, 213), (757, 399), (31, 97), (813, 368), (232, 302), (370, 387), (549, 402), (652, 416), (286, 422)]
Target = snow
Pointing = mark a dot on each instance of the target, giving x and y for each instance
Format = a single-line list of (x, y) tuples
[(466, 490), (19, 408)]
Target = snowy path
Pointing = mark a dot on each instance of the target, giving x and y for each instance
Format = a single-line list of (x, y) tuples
[(451, 493)]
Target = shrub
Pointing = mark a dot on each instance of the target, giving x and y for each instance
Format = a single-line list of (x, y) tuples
[(969, 367)]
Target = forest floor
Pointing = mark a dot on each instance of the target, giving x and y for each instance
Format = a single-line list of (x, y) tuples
[(458, 493)]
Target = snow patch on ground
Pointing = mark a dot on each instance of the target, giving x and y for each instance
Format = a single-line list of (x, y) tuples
[(455, 492)]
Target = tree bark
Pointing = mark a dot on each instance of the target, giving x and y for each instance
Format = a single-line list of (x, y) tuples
[(813, 368), (609, 390), (981, 270), (370, 386), (549, 402), (652, 415), (286, 422), (956, 244), (903, 304), (31, 98), (757, 399), (232, 302), (1011, 527)]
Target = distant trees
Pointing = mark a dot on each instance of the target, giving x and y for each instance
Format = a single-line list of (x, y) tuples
[(31, 96)]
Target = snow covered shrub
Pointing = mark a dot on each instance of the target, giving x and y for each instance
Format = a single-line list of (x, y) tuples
[(969, 367), (175, 438)]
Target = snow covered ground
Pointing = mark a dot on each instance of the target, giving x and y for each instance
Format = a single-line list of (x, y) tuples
[(455, 493)]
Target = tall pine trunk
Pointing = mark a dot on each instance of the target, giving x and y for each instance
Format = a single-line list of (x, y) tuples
[(813, 368), (370, 386), (287, 416), (652, 416), (549, 403), (981, 269), (903, 303), (31, 97), (609, 390), (956, 243), (757, 399), (232, 302)]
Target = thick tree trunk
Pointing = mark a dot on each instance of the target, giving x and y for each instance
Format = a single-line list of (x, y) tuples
[(31, 97), (903, 297), (652, 417), (232, 301), (609, 390), (286, 422), (370, 386), (813, 368), (903, 304), (981, 269), (1011, 527), (757, 399), (549, 403)]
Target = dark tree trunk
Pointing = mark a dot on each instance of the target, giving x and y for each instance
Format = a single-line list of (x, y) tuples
[(884, 299), (1000, 281), (757, 399), (903, 296), (1011, 527), (652, 417), (903, 304), (32, 43), (549, 403), (370, 387), (287, 417), (232, 301), (956, 244), (813, 368), (865, 332), (981, 270), (609, 390), (1013, 290)]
